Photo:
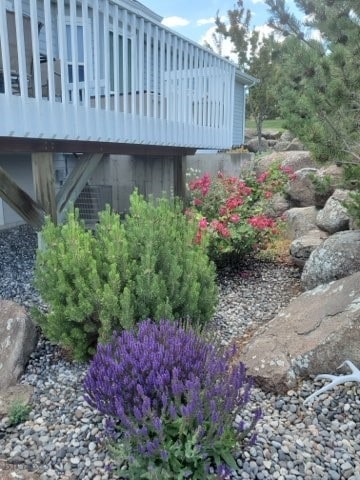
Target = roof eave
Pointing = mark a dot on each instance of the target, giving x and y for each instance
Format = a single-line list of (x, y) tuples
[(245, 78)]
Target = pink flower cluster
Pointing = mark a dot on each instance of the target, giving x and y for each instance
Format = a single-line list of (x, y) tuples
[(261, 178), (288, 171), (262, 222), (202, 184), (221, 228)]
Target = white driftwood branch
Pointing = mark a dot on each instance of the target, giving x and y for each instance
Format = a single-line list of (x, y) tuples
[(336, 380)]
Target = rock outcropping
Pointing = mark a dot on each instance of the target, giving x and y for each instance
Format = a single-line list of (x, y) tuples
[(315, 334)]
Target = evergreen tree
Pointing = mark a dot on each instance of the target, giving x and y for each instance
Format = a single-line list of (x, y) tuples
[(320, 88)]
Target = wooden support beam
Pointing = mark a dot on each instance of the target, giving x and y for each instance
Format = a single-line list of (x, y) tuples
[(44, 182), (180, 177), (22, 144), (75, 182), (20, 201)]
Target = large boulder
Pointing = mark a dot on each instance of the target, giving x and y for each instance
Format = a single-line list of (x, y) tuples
[(301, 190), (302, 247), (300, 221), (293, 145), (254, 146), (337, 257), (277, 205), (334, 217), (314, 334), (293, 160), (18, 339), (287, 136)]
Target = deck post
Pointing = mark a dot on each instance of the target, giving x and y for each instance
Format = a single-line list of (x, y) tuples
[(44, 182), (20, 201), (75, 182), (179, 163)]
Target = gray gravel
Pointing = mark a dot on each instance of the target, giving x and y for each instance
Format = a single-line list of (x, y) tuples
[(63, 437)]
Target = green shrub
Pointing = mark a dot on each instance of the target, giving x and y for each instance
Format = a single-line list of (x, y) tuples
[(146, 267), (18, 412)]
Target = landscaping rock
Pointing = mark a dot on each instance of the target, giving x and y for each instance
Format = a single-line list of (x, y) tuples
[(300, 221), (294, 160), (18, 338), (11, 472), (335, 258), (333, 171), (334, 217), (287, 136), (17, 393), (295, 145), (297, 160), (277, 206), (314, 334), (302, 247), (253, 145), (289, 146), (301, 189)]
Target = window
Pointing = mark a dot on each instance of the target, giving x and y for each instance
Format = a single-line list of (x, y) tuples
[(112, 51), (80, 53)]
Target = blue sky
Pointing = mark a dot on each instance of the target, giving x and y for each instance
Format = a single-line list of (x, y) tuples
[(194, 18)]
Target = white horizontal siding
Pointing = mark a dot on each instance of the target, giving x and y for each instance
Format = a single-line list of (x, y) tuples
[(239, 114)]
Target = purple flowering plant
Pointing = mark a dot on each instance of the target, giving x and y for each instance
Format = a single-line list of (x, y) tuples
[(170, 398)]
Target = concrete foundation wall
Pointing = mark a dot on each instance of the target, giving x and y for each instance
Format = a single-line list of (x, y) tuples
[(229, 163), (151, 175)]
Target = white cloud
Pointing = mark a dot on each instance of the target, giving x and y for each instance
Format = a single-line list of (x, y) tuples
[(227, 46), (257, 1), (264, 31), (175, 22), (205, 21)]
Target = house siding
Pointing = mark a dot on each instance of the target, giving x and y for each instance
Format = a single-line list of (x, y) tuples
[(239, 114)]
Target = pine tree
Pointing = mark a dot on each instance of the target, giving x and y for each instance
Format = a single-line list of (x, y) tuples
[(321, 77)]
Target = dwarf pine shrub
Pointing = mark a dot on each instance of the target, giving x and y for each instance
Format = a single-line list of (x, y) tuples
[(146, 267), (170, 398)]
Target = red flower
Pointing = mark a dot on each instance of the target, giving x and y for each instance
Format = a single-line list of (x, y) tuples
[(203, 224), (261, 178), (197, 202), (286, 169), (235, 218), (202, 184), (268, 194), (234, 202), (262, 222)]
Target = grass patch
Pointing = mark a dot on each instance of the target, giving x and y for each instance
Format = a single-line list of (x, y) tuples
[(277, 124)]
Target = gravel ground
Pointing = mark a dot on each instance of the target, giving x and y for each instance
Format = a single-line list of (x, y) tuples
[(62, 438)]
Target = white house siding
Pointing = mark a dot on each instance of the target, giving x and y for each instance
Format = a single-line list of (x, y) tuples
[(239, 114), (18, 166)]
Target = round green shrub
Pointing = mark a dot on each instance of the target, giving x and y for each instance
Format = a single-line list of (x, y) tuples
[(97, 282)]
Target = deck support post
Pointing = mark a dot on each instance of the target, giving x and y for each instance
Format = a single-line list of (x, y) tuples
[(75, 182), (31, 211), (44, 182), (179, 163)]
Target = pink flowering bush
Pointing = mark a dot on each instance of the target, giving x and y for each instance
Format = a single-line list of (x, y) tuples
[(229, 211)]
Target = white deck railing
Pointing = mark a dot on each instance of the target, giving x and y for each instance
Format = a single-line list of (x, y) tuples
[(102, 70)]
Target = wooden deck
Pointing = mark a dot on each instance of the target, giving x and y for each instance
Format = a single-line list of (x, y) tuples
[(107, 71)]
